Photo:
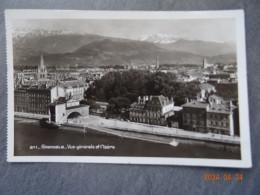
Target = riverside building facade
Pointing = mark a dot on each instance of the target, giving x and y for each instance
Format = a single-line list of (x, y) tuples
[(32, 100), (152, 110), (216, 116)]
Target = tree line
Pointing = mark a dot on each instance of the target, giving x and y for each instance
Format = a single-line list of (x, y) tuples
[(121, 89)]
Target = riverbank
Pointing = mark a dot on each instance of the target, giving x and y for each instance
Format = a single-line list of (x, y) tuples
[(30, 115), (98, 122), (152, 133), (28, 133)]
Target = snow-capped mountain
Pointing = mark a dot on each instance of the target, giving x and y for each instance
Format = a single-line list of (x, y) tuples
[(22, 32), (159, 38)]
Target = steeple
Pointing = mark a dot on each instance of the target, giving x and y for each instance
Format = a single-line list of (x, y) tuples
[(205, 63), (42, 70), (42, 62), (157, 62)]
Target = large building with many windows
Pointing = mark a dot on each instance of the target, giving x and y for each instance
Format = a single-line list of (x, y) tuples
[(194, 116), (152, 110), (220, 119), (216, 116), (32, 100)]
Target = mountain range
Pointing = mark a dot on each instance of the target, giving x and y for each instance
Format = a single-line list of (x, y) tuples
[(66, 48)]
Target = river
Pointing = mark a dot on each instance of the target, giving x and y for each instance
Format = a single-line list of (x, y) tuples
[(32, 140)]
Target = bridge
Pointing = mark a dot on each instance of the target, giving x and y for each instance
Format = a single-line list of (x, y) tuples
[(79, 111), (61, 113)]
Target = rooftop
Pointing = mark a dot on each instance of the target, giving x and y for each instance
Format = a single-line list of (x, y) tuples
[(136, 105), (159, 100), (77, 83), (69, 79), (218, 108), (195, 104)]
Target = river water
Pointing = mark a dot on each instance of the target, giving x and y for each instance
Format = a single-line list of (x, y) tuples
[(32, 140)]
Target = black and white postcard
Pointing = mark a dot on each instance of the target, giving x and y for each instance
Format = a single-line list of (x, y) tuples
[(130, 87)]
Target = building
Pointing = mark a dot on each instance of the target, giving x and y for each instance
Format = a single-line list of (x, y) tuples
[(35, 98), (42, 70), (215, 99), (220, 77), (220, 119), (67, 111), (100, 108), (152, 110), (205, 90), (32, 100), (213, 117), (182, 77), (206, 64), (57, 92), (72, 88), (194, 116)]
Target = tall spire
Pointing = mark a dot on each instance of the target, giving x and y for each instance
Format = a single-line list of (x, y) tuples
[(42, 70), (205, 63), (157, 62), (42, 62)]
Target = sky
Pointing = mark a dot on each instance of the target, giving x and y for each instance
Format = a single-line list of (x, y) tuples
[(217, 30)]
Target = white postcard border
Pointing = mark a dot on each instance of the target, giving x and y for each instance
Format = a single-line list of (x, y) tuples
[(245, 162)]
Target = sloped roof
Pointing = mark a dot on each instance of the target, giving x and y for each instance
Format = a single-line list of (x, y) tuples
[(158, 100), (75, 83), (195, 104), (218, 108)]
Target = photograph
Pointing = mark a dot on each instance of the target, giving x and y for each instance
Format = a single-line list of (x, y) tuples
[(130, 87)]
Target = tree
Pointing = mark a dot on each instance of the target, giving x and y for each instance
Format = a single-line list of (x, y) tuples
[(121, 89)]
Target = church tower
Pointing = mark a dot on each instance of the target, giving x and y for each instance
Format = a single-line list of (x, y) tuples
[(42, 70), (205, 63), (157, 62)]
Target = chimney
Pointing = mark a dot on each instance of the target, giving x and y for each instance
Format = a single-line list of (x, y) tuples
[(143, 99), (139, 99), (210, 105)]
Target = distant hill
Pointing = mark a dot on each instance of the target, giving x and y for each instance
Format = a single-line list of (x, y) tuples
[(67, 49), (229, 58), (201, 47), (118, 51)]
